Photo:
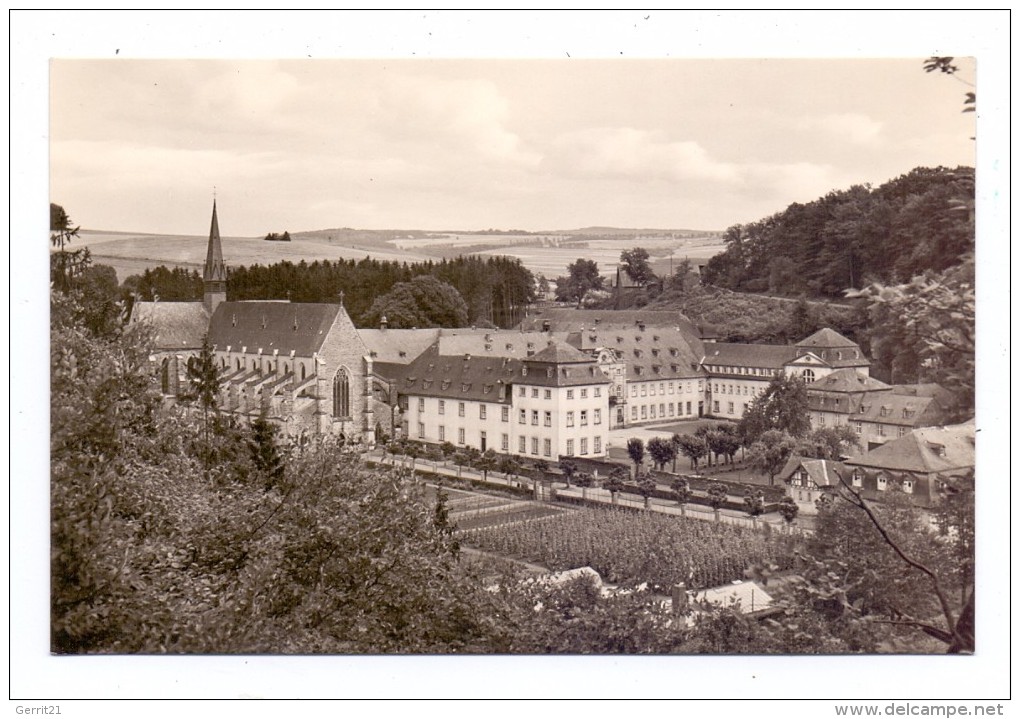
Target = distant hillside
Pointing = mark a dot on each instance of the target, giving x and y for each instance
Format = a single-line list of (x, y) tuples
[(921, 221)]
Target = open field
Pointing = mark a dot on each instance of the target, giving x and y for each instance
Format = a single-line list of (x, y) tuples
[(548, 254), (131, 253)]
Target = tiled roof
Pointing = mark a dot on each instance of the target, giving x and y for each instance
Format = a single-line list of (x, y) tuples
[(652, 353), (823, 472), (826, 338), (559, 352), (888, 408), (178, 325), (397, 346), (284, 326), (495, 343), (847, 380), (741, 355), (563, 319), (928, 450), (474, 377)]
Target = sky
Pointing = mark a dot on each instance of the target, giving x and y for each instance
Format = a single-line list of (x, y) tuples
[(473, 143)]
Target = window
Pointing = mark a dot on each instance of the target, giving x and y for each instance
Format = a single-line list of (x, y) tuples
[(522, 392), (598, 391), (584, 445), (570, 394), (505, 442), (700, 386), (534, 392), (460, 409), (442, 406), (421, 404), (597, 417), (584, 418), (547, 447), (715, 387), (729, 408), (633, 412), (633, 390), (882, 483), (662, 410), (547, 420), (651, 412), (644, 390), (671, 388), (902, 431), (715, 406), (482, 411), (857, 478), (442, 433), (859, 427), (522, 417), (688, 408), (584, 393), (548, 394), (570, 419), (662, 387), (908, 486), (644, 411), (534, 417), (651, 390), (570, 447), (534, 445), (881, 430), (342, 393), (597, 449), (808, 375), (505, 414), (522, 445), (421, 429), (671, 409)]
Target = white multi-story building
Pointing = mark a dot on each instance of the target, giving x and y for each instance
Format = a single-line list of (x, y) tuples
[(546, 405)]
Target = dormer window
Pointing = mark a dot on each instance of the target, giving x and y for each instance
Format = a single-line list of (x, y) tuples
[(524, 371), (549, 372), (857, 478), (908, 486), (882, 483)]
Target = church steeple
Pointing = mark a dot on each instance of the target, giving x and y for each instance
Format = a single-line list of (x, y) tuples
[(215, 273)]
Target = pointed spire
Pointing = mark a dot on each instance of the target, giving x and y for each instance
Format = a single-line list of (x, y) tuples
[(215, 274), (214, 267)]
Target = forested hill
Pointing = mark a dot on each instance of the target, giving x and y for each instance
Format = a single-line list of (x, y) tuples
[(923, 220)]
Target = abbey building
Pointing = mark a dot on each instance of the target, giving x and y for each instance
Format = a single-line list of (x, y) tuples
[(555, 386)]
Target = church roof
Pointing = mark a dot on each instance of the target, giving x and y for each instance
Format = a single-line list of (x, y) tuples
[(177, 325), (296, 327), (828, 339), (928, 450)]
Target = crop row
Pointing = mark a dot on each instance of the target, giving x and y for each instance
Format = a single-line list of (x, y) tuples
[(630, 548)]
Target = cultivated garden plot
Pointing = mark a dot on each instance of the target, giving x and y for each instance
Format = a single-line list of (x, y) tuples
[(630, 548)]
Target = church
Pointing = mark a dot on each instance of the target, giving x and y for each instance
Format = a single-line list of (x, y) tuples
[(554, 386)]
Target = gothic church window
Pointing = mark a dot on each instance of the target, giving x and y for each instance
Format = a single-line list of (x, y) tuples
[(342, 393)]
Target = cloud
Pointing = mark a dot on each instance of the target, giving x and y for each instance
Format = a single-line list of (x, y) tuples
[(629, 152), (853, 127)]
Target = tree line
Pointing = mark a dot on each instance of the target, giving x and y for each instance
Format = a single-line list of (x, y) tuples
[(492, 291), (921, 221)]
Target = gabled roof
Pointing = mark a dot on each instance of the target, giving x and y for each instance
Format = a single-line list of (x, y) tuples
[(847, 380), (742, 355), (826, 338), (177, 325), (559, 352), (457, 377), (928, 450), (823, 472), (397, 346), (296, 327)]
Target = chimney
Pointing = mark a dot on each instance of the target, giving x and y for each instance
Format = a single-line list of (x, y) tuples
[(382, 322), (679, 598)]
